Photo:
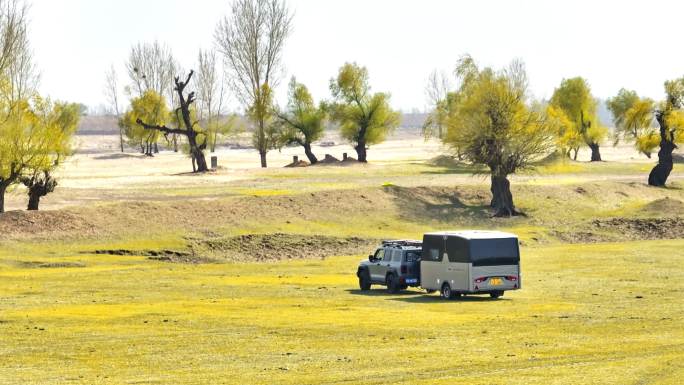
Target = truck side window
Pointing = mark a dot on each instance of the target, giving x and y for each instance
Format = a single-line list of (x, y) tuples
[(379, 254), (434, 255), (388, 256), (396, 256)]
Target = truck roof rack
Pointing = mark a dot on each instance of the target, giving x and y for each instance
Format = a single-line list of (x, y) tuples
[(403, 243)]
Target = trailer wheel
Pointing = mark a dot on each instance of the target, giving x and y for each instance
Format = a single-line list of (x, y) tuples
[(446, 291), (364, 280), (392, 284), (496, 294)]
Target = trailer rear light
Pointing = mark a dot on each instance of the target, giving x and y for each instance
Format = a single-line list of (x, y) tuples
[(481, 279), (404, 269), (511, 278)]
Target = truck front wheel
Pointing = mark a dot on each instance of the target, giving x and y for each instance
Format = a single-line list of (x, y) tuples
[(364, 280)]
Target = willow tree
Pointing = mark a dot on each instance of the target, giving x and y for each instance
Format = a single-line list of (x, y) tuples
[(251, 40), (574, 99), (57, 124), (197, 139), (633, 119), (151, 66), (364, 118), (492, 123), (302, 121), (151, 108)]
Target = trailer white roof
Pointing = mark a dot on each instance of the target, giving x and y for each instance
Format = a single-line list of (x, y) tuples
[(475, 234)]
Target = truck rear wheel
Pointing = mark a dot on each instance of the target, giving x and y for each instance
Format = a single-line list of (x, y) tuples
[(364, 280), (392, 284), (496, 294)]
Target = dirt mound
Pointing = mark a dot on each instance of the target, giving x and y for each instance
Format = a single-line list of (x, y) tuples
[(329, 159), (42, 224), (625, 229), (158, 255), (444, 161), (664, 206), (644, 228), (300, 163), (278, 246), (50, 265)]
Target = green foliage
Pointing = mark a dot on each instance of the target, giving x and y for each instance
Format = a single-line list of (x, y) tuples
[(633, 118), (35, 137), (364, 118), (150, 108), (303, 121), (266, 134), (491, 122), (574, 99)]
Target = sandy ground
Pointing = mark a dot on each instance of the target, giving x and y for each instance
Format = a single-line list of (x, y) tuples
[(99, 173)]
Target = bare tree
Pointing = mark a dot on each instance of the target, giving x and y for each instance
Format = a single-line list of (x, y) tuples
[(112, 93), (251, 40), (196, 147), (151, 66), (211, 90), (16, 63), (437, 93)]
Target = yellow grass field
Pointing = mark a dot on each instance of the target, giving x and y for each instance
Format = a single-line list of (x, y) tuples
[(608, 313)]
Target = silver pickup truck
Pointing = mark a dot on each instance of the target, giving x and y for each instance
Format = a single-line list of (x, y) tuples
[(395, 264)]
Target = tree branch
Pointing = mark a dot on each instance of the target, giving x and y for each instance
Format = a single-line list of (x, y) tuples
[(163, 129)]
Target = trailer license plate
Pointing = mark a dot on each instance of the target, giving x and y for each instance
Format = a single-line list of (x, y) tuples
[(412, 280), (495, 281)]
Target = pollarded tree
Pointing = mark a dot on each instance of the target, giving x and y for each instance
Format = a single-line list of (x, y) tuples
[(58, 123), (251, 40), (633, 119), (303, 121), (492, 124), (197, 139), (150, 107), (574, 98), (364, 118), (670, 118)]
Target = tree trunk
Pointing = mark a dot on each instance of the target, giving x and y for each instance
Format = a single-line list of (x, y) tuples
[(660, 173), (309, 153), (156, 148), (121, 139), (3, 188), (574, 157), (262, 155), (175, 143), (34, 199), (361, 151), (595, 152), (213, 144), (502, 199), (197, 155)]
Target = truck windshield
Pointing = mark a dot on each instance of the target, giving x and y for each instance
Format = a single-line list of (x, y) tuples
[(488, 252)]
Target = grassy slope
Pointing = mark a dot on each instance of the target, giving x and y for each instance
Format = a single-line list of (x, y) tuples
[(128, 320), (576, 321)]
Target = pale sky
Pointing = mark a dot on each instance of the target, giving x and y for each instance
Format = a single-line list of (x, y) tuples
[(613, 44)]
